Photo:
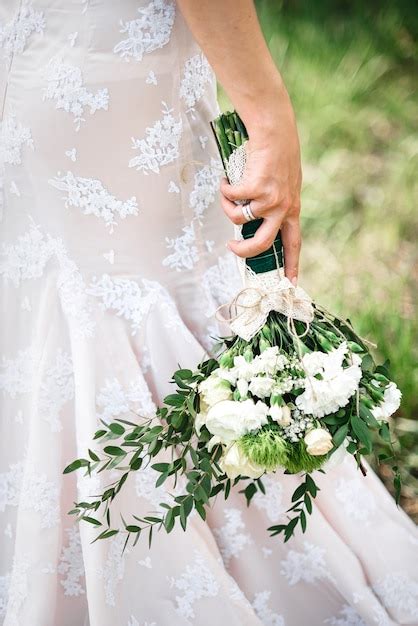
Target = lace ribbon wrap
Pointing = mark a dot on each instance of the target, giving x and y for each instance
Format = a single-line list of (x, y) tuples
[(262, 292)]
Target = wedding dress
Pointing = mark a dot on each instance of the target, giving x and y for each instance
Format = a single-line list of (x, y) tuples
[(113, 261)]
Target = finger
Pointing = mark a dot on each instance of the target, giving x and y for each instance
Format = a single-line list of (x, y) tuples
[(232, 211), (263, 239), (243, 191), (291, 239)]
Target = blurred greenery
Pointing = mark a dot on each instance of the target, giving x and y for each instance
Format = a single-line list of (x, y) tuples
[(351, 69)]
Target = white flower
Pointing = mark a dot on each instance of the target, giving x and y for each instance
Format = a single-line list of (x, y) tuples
[(391, 402), (318, 441), (229, 420), (261, 386), (242, 368), (235, 463), (242, 386), (281, 414), (270, 361), (226, 374), (214, 389), (336, 386)]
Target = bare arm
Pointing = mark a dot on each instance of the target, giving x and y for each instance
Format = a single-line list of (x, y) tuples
[(229, 34)]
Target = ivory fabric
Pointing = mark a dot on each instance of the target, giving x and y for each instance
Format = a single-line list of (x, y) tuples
[(112, 265)]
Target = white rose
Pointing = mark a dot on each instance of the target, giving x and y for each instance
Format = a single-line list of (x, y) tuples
[(229, 419), (281, 414), (391, 403), (235, 463), (214, 389), (261, 386), (318, 441)]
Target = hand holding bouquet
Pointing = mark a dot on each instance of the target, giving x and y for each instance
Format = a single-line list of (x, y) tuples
[(292, 387)]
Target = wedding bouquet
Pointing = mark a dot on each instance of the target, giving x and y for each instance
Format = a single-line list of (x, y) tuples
[(291, 389)]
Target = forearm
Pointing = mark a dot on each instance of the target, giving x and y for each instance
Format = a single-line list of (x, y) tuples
[(229, 34)]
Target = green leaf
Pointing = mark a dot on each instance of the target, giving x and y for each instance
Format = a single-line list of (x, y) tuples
[(200, 509), (311, 486), (161, 480), (174, 399), (169, 520), (361, 431), (367, 363), (308, 503), (368, 416), (75, 465), (340, 435), (99, 433), (117, 429), (261, 485), (91, 520), (114, 451), (184, 374), (106, 534), (93, 455), (303, 521), (183, 517), (131, 528), (299, 492), (384, 432)]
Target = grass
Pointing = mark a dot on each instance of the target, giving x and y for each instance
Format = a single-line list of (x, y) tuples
[(351, 69)]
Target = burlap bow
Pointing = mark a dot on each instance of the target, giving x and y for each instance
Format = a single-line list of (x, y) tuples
[(264, 293)]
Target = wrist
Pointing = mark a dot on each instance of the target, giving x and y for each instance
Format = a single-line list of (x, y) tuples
[(266, 114)]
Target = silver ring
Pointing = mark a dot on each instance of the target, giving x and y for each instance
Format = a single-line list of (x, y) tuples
[(247, 213)]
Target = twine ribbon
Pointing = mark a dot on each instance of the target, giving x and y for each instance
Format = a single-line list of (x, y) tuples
[(263, 293)]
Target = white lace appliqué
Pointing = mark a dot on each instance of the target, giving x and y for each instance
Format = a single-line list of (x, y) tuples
[(65, 86), (196, 582), (92, 198), (16, 375), (113, 570), (32, 491), (56, 390), (71, 565), (14, 590), (185, 252), (13, 136), (161, 144), (27, 259), (133, 300), (115, 399), (196, 74), (266, 615), (346, 617), (398, 591), (150, 31), (308, 566), (14, 34), (229, 537), (272, 501), (358, 502)]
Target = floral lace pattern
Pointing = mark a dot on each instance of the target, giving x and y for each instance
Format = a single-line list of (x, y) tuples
[(185, 251), (92, 198), (15, 34), (358, 503), (230, 539), (116, 400), (346, 617), (24, 486), (56, 390), (71, 565), (65, 86), (150, 31), (113, 570), (13, 136), (398, 591), (308, 566), (28, 258), (196, 582), (161, 144), (16, 375), (272, 501), (17, 589), (196, 74), (266, 615)]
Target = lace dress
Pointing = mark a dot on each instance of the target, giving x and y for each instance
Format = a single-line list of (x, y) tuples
[(113, 261)]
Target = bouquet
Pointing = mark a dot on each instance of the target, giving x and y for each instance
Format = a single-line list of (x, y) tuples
[(293, 387)]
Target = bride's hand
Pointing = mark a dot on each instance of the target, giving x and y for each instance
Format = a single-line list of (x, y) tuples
[(272, 182)]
